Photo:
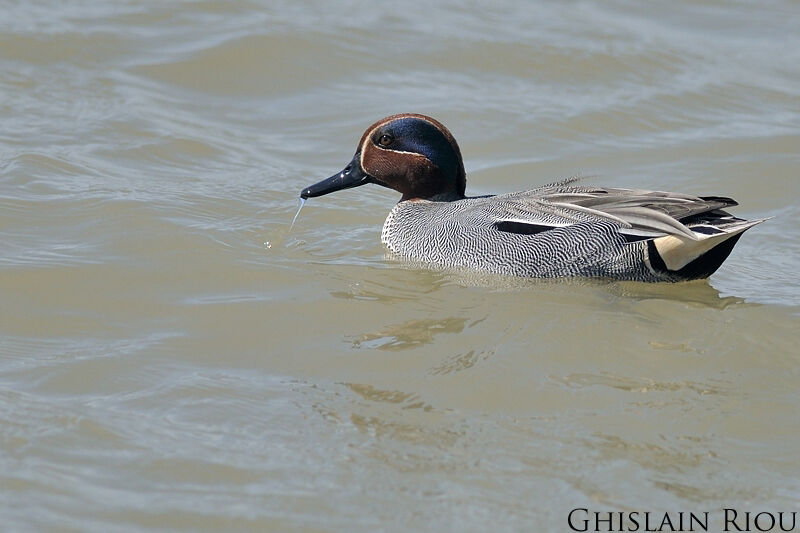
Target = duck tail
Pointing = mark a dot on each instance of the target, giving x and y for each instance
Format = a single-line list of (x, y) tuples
[(685, 259)]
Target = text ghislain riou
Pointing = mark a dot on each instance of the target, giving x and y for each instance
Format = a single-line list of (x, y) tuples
[(582, 519)]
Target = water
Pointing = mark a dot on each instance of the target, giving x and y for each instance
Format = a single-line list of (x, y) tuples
[(172, 358), (300, 205)]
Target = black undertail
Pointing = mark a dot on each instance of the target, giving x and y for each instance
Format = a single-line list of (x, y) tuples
[(700, 268)]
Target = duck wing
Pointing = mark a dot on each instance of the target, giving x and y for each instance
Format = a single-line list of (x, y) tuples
[(639, 214)]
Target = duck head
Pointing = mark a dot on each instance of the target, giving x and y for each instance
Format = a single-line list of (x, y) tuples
[(412, 154)]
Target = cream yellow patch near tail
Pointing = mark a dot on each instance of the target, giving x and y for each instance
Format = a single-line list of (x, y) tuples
[(678, 251)]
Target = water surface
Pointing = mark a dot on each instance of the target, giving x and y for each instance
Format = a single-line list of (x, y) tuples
[(173, 358)]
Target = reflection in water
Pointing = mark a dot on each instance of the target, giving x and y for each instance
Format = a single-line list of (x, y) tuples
[(408, 400), (399, 429), (635, 384), (461, 361), (171, 352), (673, 463), (699, 293), (390, 285), (409, 334)]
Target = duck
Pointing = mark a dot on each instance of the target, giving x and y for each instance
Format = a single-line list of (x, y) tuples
[(558, 230)]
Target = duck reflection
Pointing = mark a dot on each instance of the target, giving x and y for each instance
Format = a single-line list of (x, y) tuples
[(698, 293), (409, 334)]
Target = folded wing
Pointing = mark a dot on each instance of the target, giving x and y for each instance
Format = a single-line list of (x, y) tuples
[(640, 214)]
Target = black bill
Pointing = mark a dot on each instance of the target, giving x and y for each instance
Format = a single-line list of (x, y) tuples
[(352, 176)]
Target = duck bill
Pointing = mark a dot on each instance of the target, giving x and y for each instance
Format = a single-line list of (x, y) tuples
[(352, 176)]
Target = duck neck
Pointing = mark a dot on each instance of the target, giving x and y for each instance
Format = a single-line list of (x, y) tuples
[(450, 196)]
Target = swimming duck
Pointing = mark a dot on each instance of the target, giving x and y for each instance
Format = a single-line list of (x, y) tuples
[(557, 230)]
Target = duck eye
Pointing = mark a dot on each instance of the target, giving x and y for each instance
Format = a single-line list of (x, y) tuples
[(386, 139)]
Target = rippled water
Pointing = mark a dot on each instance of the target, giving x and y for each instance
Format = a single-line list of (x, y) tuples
[(172, 357)]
